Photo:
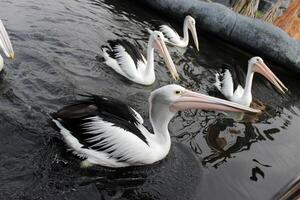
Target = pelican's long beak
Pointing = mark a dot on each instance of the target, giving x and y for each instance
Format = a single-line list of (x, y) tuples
[(194, 34), (194, 100), (163, 51), (5, 43), (264, 70)]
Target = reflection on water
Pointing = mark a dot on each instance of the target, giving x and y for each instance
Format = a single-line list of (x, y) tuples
[(57, 44), (257, 170), (223, 135)]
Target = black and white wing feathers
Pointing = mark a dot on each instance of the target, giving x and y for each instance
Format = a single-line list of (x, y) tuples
[(168, 31), (238, 75), (229, 78), (124, 52), (105, 125)]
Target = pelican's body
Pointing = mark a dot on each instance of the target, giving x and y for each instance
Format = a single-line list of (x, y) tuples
[(126, 60), (107, 132), (5, 45), (236, 87), (173, 38)]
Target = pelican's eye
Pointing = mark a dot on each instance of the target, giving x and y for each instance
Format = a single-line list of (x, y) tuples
[(177, 92), (257, 59)]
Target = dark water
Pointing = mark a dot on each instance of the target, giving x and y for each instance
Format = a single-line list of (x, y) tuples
[(57, 44)]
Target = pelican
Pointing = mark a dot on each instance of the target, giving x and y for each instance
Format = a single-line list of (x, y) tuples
[(105, 131), (172, 37), (126, 60), (233, 84), (5, 45)]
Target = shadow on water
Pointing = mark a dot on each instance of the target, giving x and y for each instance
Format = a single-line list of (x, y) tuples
[(57, 44)]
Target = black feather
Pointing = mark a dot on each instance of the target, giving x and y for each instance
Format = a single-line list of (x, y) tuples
[(135, 54), (157, 24), (73, 117), (216, 93), (238, 75)]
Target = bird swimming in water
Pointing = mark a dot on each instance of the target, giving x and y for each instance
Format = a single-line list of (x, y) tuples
[(173, 38), (128, 61), (106, 131), (236, 87)]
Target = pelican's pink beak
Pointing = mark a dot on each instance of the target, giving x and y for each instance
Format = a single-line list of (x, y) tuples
[(264, 70), (194, 100), (163, 51), (5, 43)]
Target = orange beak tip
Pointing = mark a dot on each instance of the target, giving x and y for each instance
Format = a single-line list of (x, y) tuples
[(176, 77), (255, 111)]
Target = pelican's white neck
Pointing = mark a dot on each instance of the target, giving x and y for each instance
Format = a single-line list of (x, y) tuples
[(149, 72), (248, 85), (1, 63), (185, 33), (160, 116)]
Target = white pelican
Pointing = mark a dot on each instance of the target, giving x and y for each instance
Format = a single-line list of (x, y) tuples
[(126, 60), (5, 45), (231, 81), (107, 132), (172, 37)]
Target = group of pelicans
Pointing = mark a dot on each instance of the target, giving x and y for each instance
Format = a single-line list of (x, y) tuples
[(106, 131)]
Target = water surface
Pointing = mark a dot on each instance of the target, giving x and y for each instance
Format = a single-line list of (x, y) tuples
[(57, 45)]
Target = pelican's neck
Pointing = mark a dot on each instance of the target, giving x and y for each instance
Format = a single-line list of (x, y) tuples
[(185, 33), (150, 59), (1, 63), (248, 84), (160, 116)]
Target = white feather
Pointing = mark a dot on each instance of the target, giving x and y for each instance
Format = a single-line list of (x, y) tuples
[(225, 86), (138, 116), (5, 43), (117, 139), (238, 93), (112, 62), (218, 82), (170, 34), (125, 61), (124, 65)]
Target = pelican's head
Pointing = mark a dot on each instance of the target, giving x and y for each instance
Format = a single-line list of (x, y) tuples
[(191, 24), (178, 99), (158, 43), (5, 43), (257, 64)]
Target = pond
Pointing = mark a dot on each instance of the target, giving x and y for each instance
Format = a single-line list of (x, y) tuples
[(58, 56)]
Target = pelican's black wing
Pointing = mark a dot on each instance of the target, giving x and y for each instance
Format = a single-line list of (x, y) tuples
[(237, 74), (88, 119), (114, 51)]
